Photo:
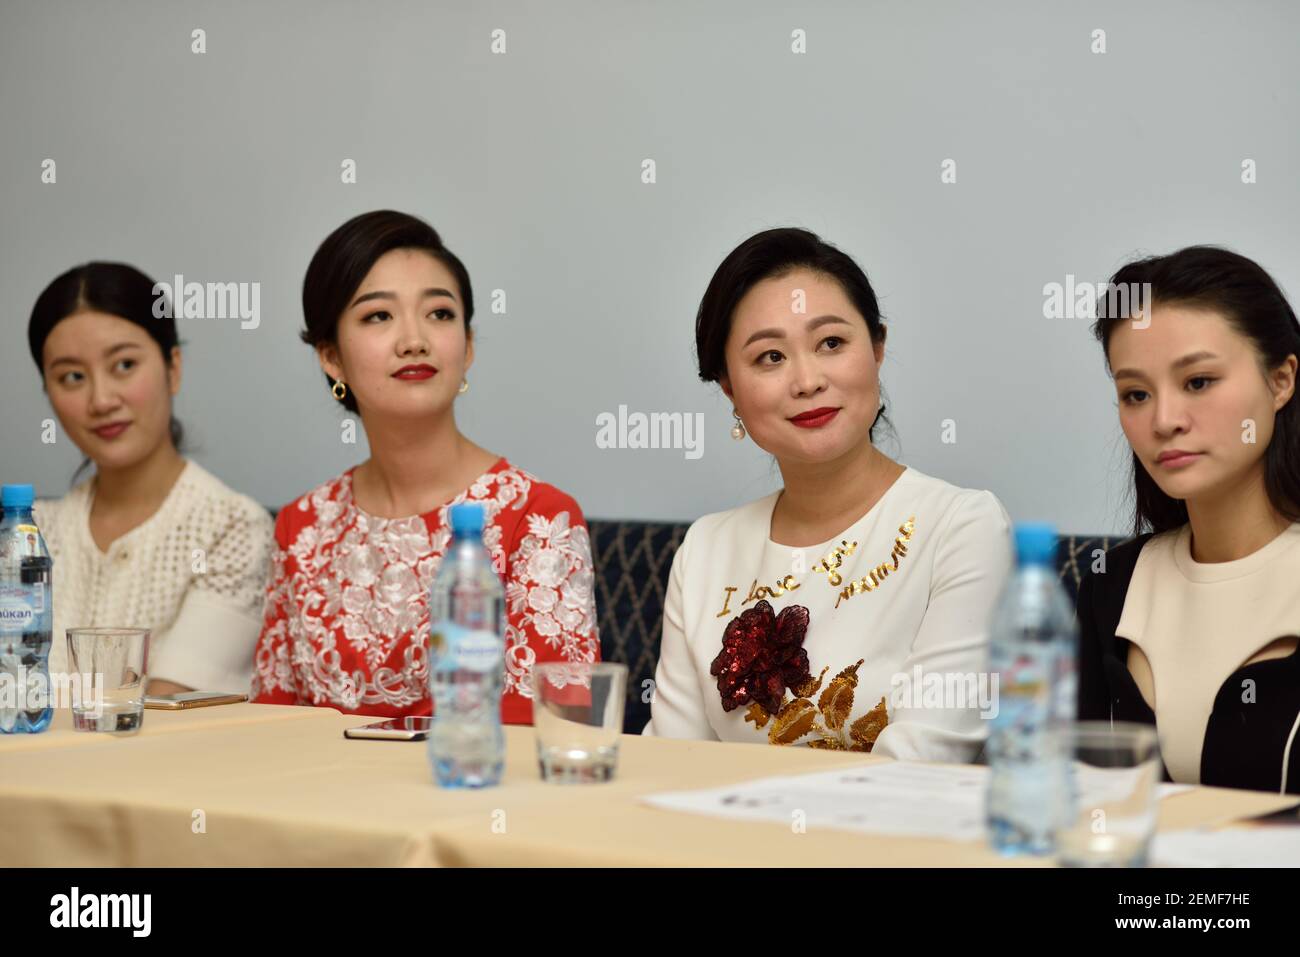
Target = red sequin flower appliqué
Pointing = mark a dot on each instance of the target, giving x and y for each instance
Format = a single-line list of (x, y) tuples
[(762, 655)]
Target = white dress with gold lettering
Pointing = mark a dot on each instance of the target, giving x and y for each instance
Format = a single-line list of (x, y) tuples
[(894, 640)]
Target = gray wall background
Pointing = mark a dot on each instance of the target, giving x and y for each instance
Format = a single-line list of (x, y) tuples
[(225, 166)]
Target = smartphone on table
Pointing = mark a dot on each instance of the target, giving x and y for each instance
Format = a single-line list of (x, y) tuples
[(409, 728), (191, 699)]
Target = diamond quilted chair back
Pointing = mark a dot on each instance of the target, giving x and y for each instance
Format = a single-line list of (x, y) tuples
[(1077, 554), (633, 560)]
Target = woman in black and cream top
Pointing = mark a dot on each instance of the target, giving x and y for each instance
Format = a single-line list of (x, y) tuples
[(1193, 626)]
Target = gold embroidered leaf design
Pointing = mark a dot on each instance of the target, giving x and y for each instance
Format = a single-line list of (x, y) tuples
[(867, 728), (757, 714), (837, 700), (826, 744), (793, 721), (809, 687)]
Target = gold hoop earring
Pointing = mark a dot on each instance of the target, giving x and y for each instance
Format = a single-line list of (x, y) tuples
[(464, 386), (737, 430), (340, 390)]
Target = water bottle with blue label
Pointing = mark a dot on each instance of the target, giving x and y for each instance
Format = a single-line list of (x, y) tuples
[(26, 616), (1032, 648), (467, 659)]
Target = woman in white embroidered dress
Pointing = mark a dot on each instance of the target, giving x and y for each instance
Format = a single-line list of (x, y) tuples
[(825, 613), (150, 540), (388, 309)]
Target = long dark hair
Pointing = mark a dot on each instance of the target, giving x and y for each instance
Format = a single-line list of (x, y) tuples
[(1238, 289), (348, 253), (113, 288), (768, 255)]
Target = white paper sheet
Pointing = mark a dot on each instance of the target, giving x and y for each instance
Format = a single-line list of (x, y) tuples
[(896, 798), (893, 798), (1260, 846)]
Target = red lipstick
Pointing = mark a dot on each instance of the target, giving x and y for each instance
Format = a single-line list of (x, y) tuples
[(815, 418), (111, 431), (416, 372)]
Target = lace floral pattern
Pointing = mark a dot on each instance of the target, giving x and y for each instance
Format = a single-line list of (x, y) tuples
[(551, 593), (347, 609)]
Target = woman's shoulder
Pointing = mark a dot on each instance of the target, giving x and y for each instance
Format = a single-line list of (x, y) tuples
[(58, 519), (1127, 552), (204, 492), (732, 526), (509, 484), (916, 483), (521, 504), (1108, 581), (52, 512), (321, 503), (954, 508)]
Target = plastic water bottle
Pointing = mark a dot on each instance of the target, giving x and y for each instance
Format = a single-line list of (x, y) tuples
[(467, 659), (26, 616), (1032, 649)]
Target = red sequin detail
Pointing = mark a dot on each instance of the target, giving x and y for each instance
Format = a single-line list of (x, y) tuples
[(762, 655)]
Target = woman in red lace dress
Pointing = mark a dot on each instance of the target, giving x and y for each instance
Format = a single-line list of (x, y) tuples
[(388, 309)]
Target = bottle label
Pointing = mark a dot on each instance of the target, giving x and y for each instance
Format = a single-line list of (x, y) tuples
[(19, 606), (453, 646), (29, 540)]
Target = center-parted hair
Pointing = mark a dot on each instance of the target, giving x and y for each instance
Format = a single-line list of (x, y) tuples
[(116, 289), (769, 255), (348, 254), (1237, 288)]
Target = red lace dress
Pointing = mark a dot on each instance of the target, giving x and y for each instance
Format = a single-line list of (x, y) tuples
[(346, 616)]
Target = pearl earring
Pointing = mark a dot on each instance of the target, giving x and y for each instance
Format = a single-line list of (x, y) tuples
[(737, 430)]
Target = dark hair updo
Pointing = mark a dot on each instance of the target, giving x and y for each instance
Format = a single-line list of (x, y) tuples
[(769, 255), (349, 253)]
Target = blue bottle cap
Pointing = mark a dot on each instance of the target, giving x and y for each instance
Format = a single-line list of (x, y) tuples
[(17, 496), (1035, 543), (466, 519)]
